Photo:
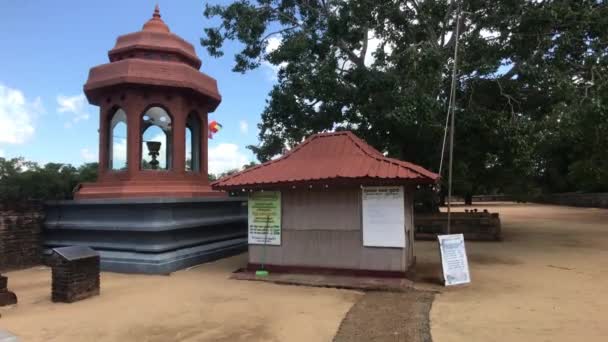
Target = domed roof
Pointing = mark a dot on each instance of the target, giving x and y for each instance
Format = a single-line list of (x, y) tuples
[(154, 38), (156, 23), (152, 57)]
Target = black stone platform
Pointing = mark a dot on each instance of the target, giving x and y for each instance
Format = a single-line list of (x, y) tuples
[(150, 235)]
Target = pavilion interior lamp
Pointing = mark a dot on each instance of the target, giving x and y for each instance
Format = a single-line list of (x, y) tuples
[(262, 272), (153, 148)]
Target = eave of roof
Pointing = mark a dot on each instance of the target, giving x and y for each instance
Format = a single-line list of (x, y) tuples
[(154, 73), (381, 170)]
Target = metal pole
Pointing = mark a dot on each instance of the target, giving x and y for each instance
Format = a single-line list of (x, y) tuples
[(453, 102), (445, 134)]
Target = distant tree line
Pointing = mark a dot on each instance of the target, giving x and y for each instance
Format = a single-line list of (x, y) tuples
[(25, 180), (22, 180)]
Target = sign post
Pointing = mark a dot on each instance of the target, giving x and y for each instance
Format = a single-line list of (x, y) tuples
[(262, 272), (454, 259)]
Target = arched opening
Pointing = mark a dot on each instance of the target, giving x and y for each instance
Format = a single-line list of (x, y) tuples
[(117, 141), (193, 143), (156, 139)]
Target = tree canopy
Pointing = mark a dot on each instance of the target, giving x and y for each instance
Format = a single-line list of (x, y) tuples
[(24, 180), (531, 96)]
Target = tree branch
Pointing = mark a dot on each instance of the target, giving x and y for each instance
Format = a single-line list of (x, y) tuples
[(462, 29), (429, 30), (365, 42), (277, 32), (351, 55), (509, 98), (445, 21)]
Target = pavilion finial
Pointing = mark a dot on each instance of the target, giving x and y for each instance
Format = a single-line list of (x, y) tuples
[(156, 23)]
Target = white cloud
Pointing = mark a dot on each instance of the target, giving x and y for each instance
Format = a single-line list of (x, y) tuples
[(1, 153), (119, 153), (489, 34), (373, 44), (273, 44), (243, 126), (17, 116), (88, 156), (224, 157), (76, 105)]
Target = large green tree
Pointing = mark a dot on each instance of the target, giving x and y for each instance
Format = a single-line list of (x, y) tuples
[(531, 81)]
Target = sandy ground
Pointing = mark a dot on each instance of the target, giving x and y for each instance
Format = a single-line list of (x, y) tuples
[(546, 281), (200, 304)]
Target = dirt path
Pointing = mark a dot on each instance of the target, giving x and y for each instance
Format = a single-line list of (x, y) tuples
[(388, 316), (546, 281), (200, 304)]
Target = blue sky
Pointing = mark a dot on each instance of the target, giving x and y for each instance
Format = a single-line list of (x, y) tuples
[(47, 50)]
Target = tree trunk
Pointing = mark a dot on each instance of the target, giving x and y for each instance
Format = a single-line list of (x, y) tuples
[(468, 199)]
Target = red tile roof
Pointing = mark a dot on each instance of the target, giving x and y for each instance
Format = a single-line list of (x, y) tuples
[(328, 159)]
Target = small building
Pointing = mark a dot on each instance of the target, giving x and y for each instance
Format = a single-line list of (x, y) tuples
[(332, 204)]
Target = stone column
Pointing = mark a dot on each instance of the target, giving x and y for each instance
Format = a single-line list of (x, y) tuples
[(6, 297), (204, 155), (134, 112), (179, 137), (103, 141)]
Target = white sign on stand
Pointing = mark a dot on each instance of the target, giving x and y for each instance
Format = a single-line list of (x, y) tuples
[(383, 216), (454, 259)]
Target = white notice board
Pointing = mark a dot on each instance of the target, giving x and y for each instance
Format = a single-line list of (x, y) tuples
[(383, 216), (454, 259)]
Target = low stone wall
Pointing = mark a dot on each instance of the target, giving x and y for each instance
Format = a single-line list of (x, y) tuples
[(20, 235), (576, 199), (474, 226), (493, 198)]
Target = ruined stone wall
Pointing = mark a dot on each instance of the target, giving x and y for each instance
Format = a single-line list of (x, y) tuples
[(20, 235), (474, 226), (596, 200)]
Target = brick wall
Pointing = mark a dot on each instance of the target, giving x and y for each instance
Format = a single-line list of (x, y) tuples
[(20, 235)]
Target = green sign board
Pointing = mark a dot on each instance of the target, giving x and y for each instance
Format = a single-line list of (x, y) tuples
[(265, 218)]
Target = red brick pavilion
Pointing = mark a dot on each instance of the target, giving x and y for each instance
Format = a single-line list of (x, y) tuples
[(152, 81), (151, 209)]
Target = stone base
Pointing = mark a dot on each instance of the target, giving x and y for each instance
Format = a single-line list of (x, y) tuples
[(71, 297), (146, 189), (171, 261), (7, 298), (150, 235)]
